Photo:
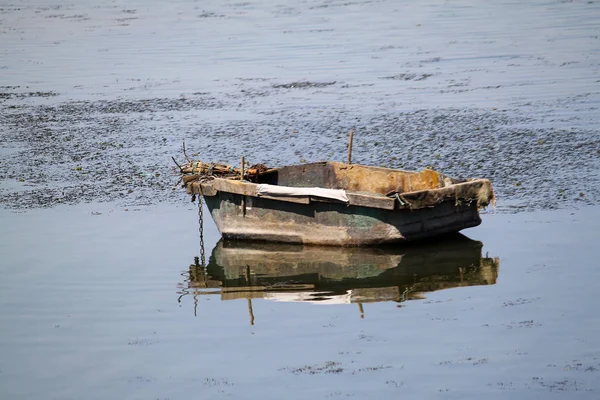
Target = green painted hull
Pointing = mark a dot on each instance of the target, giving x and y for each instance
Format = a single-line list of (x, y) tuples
[(323, 223)]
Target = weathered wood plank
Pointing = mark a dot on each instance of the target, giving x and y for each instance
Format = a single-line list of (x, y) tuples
[(208, 189), (237, 187), (249, 189), (365, 200), (204, 189), (478, 190)]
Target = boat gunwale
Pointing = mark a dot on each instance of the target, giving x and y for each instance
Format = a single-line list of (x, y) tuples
[(479, 190)]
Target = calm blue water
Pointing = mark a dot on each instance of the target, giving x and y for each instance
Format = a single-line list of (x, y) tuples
[(90, 308)]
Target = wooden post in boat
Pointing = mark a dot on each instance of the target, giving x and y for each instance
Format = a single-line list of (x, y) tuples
[(241, 179), (350, 148), (242, 170)]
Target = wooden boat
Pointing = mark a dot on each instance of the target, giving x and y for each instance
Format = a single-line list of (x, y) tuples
[(330, 203), (339, 275)]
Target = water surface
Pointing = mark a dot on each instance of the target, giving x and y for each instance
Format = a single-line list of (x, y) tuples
[(92, 307), (100, 297)]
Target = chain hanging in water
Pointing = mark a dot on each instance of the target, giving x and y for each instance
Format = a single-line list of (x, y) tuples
[(201, 230)]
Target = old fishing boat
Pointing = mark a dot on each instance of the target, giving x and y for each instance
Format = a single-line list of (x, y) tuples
[(331, 203)]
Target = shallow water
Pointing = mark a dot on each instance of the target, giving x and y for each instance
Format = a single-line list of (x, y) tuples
[(100, 297), (97, 302)]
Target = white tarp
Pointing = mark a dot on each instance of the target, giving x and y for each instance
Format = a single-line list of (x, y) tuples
[(275, 190)]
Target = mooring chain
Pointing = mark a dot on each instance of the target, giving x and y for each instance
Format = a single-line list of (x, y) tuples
[(201, 230)]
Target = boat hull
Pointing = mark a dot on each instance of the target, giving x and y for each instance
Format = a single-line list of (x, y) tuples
[(239, 216)]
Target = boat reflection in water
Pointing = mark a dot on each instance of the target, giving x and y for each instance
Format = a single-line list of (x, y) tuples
[(337, 275)]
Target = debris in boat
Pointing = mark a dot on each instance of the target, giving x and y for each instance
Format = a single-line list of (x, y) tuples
[(198, 170)]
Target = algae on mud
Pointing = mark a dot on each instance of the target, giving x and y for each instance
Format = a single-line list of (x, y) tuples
[(98, 150)]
